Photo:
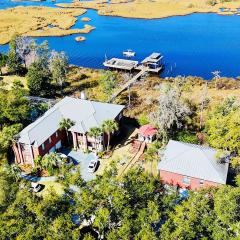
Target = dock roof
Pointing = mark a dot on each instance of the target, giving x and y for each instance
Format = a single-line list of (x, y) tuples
[(153, 58)]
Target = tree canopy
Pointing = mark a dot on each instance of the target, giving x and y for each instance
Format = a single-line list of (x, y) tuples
[(223, 128)]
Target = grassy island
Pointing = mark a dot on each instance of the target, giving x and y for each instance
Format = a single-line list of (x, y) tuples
[(39, 21), (157, 8), (80, 38)]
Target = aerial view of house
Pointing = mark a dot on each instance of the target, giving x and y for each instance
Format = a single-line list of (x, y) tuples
[(192, 166), (119, 120), (44, 135)]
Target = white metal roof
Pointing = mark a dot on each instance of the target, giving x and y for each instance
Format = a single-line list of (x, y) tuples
[(193, 161), (84, 113)]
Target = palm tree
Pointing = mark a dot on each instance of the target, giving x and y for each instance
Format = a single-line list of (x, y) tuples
[(15, 171), (65, 124), (151, 156), (50, 161), (38, 162), (109, 126), (95, 132)]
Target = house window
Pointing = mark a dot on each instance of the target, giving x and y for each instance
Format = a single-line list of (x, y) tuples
[(50, 140), (186, 180), (201, 181), (43, 146)]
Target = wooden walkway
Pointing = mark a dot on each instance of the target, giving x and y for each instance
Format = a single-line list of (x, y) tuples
[(134, 160), (129, 83)]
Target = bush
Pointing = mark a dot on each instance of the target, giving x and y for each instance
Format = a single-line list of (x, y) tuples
[(34, 171), (101, 154), (191, 5), (187, 137), (143, 120), (211, 2)]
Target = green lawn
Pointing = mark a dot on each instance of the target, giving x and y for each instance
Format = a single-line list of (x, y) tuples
[(48, 185)]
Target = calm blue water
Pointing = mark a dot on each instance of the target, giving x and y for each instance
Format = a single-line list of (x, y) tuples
[(196, 44), (9, 4)]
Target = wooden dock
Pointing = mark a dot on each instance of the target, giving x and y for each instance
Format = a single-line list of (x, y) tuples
[(151, 64), (129, 83), (121, 64)]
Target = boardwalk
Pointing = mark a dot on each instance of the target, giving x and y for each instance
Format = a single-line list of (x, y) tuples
[(129, 83), (134, 160)]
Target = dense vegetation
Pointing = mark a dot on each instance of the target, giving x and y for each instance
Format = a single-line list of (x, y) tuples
[(137, 205)]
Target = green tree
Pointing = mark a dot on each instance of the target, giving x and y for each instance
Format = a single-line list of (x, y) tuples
[(7, 136), (193, 219), (185, 136), (108, 82), (223, 128), (171, 112), (8, 188), (15, 171), (14, 61), (66, 124), (109, 127), (39, 162), (3, 61), (102, 221), (38, 79), (58, 67), (227, 209), (95, 132), (51, 161), (151, 155), (14, 106)]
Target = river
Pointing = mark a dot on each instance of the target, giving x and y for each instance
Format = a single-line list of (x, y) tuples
[(197, 44)]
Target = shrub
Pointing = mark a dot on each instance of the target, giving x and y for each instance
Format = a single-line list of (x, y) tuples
[(34, 172), (191, 5), (143, 119), (211, 2), (185, 136)]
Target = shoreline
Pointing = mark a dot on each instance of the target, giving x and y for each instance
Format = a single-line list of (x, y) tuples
[(40, 22), (154, 10)]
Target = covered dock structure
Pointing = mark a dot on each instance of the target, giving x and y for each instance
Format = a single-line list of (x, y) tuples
[(153, 62)]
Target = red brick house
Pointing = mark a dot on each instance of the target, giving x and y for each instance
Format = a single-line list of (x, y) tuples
[(192, 166), (44, 136)]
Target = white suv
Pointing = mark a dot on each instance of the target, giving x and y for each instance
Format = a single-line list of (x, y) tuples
[(93, 165)]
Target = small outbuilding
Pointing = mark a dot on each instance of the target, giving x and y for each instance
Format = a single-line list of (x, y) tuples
[(147, 133), (192, 166)]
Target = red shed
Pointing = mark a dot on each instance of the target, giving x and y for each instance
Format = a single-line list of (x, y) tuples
[(147, 133)]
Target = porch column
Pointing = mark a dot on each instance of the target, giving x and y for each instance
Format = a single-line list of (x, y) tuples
[(85, 142), (20, 153), (74, 140), (31, 153)]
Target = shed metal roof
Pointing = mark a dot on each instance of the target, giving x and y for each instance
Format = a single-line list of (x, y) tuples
[(193, 161)]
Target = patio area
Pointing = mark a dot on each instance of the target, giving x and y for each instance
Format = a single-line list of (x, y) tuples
[(83, 159)]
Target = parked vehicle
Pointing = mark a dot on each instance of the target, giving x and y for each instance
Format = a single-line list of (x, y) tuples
[(62, 156), (93, 166), (35, 187)]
